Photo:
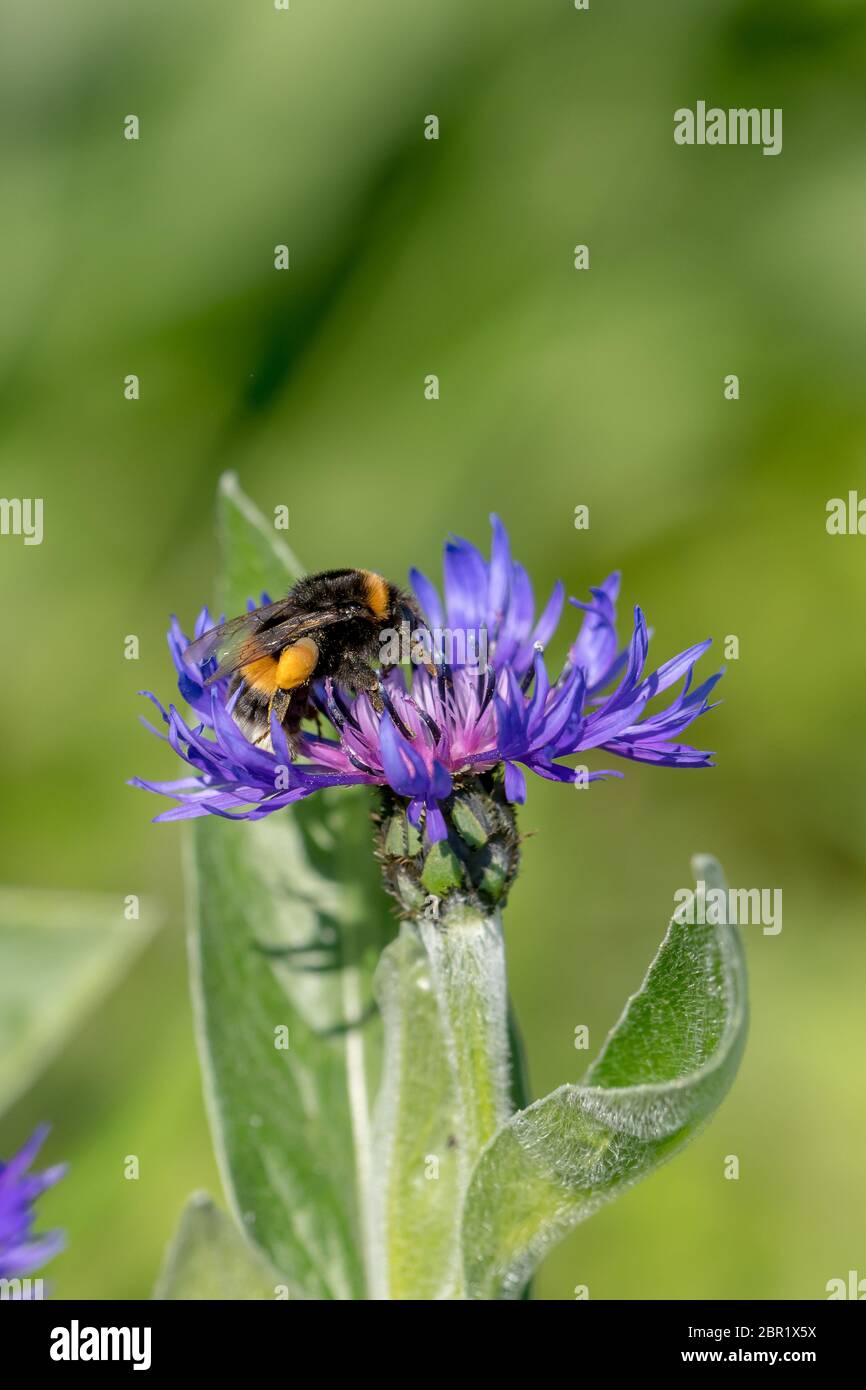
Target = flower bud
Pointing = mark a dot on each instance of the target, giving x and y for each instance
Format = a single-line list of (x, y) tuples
[(470, 872)]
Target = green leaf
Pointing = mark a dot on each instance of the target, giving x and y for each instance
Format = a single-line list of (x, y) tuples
[(289, 920), (661, 1073), (253, 555), (208, 1259), (59, 954)]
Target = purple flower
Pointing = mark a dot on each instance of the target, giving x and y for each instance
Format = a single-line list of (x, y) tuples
[(469, 717), (21, 1252)]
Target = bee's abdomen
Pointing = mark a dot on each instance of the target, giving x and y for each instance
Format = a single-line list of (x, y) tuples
[(250, 712)]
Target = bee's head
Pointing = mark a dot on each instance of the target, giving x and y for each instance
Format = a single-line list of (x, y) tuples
[(403, 608)]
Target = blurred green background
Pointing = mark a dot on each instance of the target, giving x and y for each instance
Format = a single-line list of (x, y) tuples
[(558, 387)]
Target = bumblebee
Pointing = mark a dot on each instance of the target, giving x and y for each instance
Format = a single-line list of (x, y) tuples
[(329, 624)]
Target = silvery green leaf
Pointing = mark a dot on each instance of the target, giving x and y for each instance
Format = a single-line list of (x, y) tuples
[(662, 1072), (59, 954), (208, 1259), (289, 920)]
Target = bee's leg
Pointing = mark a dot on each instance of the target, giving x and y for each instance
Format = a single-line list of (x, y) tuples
[(365, 681), (308, 709), (314, 715), (422, 649), (279, 706)]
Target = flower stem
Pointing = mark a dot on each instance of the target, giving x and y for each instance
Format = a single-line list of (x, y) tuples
[(468, 972), (443, 996), (445, 1091)]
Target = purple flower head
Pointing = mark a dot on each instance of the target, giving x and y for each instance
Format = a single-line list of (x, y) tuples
[(469, 716), (22, 1252)]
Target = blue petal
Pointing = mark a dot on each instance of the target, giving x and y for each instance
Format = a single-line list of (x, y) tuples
[(499, 579), (465, 585), (428, 597), (549, 620), (434, 824), (515, 784), (402, 765)]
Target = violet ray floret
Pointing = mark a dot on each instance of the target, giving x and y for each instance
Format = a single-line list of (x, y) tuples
[(21, 1251)]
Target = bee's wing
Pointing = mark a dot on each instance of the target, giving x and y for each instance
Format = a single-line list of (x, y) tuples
[(226, 635), (241, 640)]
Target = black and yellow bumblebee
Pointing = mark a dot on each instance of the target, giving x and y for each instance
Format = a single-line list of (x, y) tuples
[(329, 624)]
